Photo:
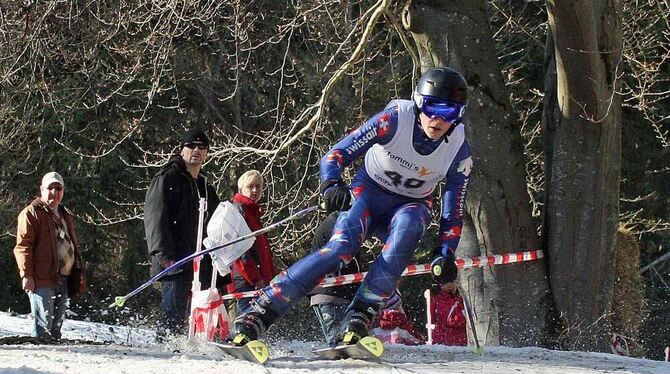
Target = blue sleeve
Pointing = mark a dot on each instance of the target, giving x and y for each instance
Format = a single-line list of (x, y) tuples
[(453, 201), (377, 130)]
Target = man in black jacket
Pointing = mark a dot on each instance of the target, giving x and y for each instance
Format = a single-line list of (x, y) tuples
[(171, 226)]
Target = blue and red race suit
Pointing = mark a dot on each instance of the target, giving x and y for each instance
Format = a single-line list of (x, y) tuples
[(386, 204)]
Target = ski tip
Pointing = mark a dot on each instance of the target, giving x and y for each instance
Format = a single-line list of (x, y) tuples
[(118, 302), (479, 350), (373, 345), (255, 351), (259, 350)]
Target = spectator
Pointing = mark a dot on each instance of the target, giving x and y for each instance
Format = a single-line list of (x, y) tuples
[(255, 268), (47, 255), (330, 303), (393, 326), (171, 227), (448, 315)]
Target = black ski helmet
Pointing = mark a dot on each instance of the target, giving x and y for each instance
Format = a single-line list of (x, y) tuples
[(442, 83)]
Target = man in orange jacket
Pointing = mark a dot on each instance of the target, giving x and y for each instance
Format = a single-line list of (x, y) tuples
[(47, 256)]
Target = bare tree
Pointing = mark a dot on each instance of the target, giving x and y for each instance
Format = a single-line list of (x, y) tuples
[(583, 158), (509, 301), (101, 90)]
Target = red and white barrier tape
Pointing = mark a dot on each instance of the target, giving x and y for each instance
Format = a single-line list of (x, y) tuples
[(461, 263)]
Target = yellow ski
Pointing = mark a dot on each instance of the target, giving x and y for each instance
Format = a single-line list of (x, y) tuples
[(366, 348), (254, 351)]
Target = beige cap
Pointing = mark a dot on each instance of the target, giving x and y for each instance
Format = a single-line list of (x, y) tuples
[(52, 177)]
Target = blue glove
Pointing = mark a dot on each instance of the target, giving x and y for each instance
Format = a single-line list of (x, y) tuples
[(443, 270)]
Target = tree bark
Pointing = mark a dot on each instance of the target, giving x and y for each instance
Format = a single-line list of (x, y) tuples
[(582, 133), (509, 300)]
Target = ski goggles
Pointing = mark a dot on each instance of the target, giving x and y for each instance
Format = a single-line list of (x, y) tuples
[(436, 108)]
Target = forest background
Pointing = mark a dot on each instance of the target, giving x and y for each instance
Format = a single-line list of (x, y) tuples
[(101, 91)]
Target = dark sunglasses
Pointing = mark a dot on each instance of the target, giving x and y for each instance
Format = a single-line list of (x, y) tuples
[(201, 147)]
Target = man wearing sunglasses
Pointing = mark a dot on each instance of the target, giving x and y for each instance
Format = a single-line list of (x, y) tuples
[(47, 256), (408, 148), (171, 226)]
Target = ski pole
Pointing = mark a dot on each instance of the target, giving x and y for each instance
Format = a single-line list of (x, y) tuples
[(471, 317), (120, 300)]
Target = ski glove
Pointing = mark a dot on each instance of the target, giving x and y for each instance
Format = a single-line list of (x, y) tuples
[(443, 270), (336, 196)]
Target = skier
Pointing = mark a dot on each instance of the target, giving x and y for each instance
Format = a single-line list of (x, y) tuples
[(409, 147)]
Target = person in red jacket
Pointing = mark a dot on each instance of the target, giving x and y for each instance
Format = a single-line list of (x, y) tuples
[(392, 325), (255, 268), (448, 315)]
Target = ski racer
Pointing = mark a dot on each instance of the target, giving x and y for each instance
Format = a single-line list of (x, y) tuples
[(408, 148)]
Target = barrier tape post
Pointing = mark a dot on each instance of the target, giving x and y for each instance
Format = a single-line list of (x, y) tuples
[(429, 318)]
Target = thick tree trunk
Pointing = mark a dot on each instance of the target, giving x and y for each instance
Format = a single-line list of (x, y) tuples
[(583, 151), (508, 300)]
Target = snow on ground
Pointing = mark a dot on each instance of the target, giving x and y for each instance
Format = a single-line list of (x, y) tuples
[(132, 350)]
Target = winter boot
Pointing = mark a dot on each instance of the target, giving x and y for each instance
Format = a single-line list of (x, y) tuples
[(357, 321), (253, 321)]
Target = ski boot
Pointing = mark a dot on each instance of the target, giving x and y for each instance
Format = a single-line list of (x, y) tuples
[(243, 341), (355, 329), (253, 321), (357, 321)]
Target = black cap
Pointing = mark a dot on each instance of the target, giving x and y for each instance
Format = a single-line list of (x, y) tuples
[(195, 136)]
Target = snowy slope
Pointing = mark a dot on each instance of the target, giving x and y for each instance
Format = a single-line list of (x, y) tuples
[(132, 350)]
